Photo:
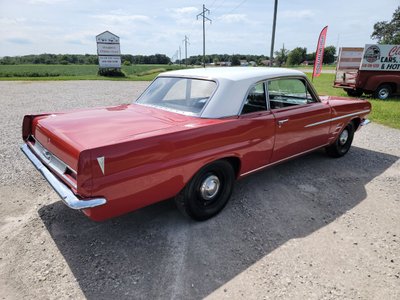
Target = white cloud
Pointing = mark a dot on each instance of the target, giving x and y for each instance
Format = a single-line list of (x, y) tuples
[(45, 1), (11, 21), (233, 18), (297, 14), (186, 10), (116, 18)]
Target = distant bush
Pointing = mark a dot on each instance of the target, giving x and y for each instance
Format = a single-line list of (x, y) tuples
[(30, 74), (127, 63), (111, 72)]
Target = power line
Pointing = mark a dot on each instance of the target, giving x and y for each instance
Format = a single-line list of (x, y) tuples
[(212, 4), (219, 6), (236, 7), (203, 15)]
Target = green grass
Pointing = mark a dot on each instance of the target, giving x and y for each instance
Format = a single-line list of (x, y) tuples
[(78, 72)]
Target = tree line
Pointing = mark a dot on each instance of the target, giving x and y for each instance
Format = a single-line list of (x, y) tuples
[(282, 57), (81, 59)]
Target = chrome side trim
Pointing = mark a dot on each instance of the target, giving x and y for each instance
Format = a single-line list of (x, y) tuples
[(337, 118), (66, 195), (282, 160)]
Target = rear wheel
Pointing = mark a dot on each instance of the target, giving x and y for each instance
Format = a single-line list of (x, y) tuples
[(343, 143), (383, 92), (207, 192)]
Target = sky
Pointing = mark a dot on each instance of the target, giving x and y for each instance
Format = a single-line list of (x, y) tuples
[(149, 27)]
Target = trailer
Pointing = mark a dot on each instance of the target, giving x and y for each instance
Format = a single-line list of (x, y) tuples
[(374, 69)]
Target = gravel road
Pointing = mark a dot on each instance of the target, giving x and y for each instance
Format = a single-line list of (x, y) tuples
[(312, 228)]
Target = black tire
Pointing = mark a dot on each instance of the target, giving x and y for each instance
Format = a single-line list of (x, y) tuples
[(354, 93), (343, 143), (207, 192), (383, 92)]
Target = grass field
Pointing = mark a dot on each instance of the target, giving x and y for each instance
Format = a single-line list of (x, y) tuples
[(383, 112), (78, 72)]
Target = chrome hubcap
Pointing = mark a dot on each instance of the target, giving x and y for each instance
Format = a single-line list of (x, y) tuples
[(343, 137), (383, 94), (210, 187)]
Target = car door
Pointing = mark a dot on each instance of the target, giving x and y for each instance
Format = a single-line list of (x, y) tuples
[(298, 113), (257, 126)]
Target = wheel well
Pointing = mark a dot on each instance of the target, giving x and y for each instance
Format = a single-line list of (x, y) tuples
[(235, 162), (391, 84), (356, 122)]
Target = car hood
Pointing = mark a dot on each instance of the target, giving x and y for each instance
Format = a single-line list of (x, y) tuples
[(90, 128)]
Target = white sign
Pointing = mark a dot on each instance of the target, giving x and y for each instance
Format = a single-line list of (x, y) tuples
[(381, 58), (108, 49), (110, 61), (107, 38)]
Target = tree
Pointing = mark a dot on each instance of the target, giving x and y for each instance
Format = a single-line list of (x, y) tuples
[(235, 60), (281, 56), (296, 56), (329, 55), (388, 32)]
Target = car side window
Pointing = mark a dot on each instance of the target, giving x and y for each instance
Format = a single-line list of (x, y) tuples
[(255, 100), (288, 92)]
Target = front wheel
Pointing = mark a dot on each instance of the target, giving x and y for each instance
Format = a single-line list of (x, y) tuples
[(207, 192), (383, 92), (343, 143)]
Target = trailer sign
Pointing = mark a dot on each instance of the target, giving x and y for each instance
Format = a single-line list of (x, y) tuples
[(381, 58)]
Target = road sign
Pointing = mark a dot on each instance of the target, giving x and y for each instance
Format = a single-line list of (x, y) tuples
[(108, 50), (110, 61)]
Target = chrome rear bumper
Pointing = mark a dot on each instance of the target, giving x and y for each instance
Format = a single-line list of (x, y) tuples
[(65, 193)]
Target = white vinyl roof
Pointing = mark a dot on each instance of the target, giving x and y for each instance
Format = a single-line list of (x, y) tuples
[(234, 73), (233, 85)]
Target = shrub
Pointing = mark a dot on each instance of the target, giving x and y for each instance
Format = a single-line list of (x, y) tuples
[(111, 72)]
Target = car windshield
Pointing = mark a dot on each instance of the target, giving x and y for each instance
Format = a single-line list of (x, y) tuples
[(182, 95)]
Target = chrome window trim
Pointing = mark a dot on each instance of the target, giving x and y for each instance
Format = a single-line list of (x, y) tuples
[(309, 87), (54, 163), (180, 111), (247, 94)]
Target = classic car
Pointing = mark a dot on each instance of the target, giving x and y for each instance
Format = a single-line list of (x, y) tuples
[(189, 136)]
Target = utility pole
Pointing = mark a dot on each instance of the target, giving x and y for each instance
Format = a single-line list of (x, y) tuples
[(203, 15), (271, 57), (186, 41)]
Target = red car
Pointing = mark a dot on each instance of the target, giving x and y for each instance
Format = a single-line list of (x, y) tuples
[(189, 136)]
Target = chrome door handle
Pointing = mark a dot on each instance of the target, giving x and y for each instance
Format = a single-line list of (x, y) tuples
[(281, 122)]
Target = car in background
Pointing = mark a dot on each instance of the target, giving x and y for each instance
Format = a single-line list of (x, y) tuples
[(189, 136)]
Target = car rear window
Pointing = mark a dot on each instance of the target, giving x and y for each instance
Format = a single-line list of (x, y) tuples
[(182, 95)]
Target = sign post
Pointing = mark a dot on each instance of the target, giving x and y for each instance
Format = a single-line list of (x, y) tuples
[(108, 51)]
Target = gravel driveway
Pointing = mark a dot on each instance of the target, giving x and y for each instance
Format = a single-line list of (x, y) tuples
[(312, 228)]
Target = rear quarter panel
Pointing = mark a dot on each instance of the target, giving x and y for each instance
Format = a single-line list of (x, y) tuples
[(345, 110), (149, 169)]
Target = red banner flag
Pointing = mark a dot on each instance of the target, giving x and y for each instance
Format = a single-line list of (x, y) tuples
[(319, 54)]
